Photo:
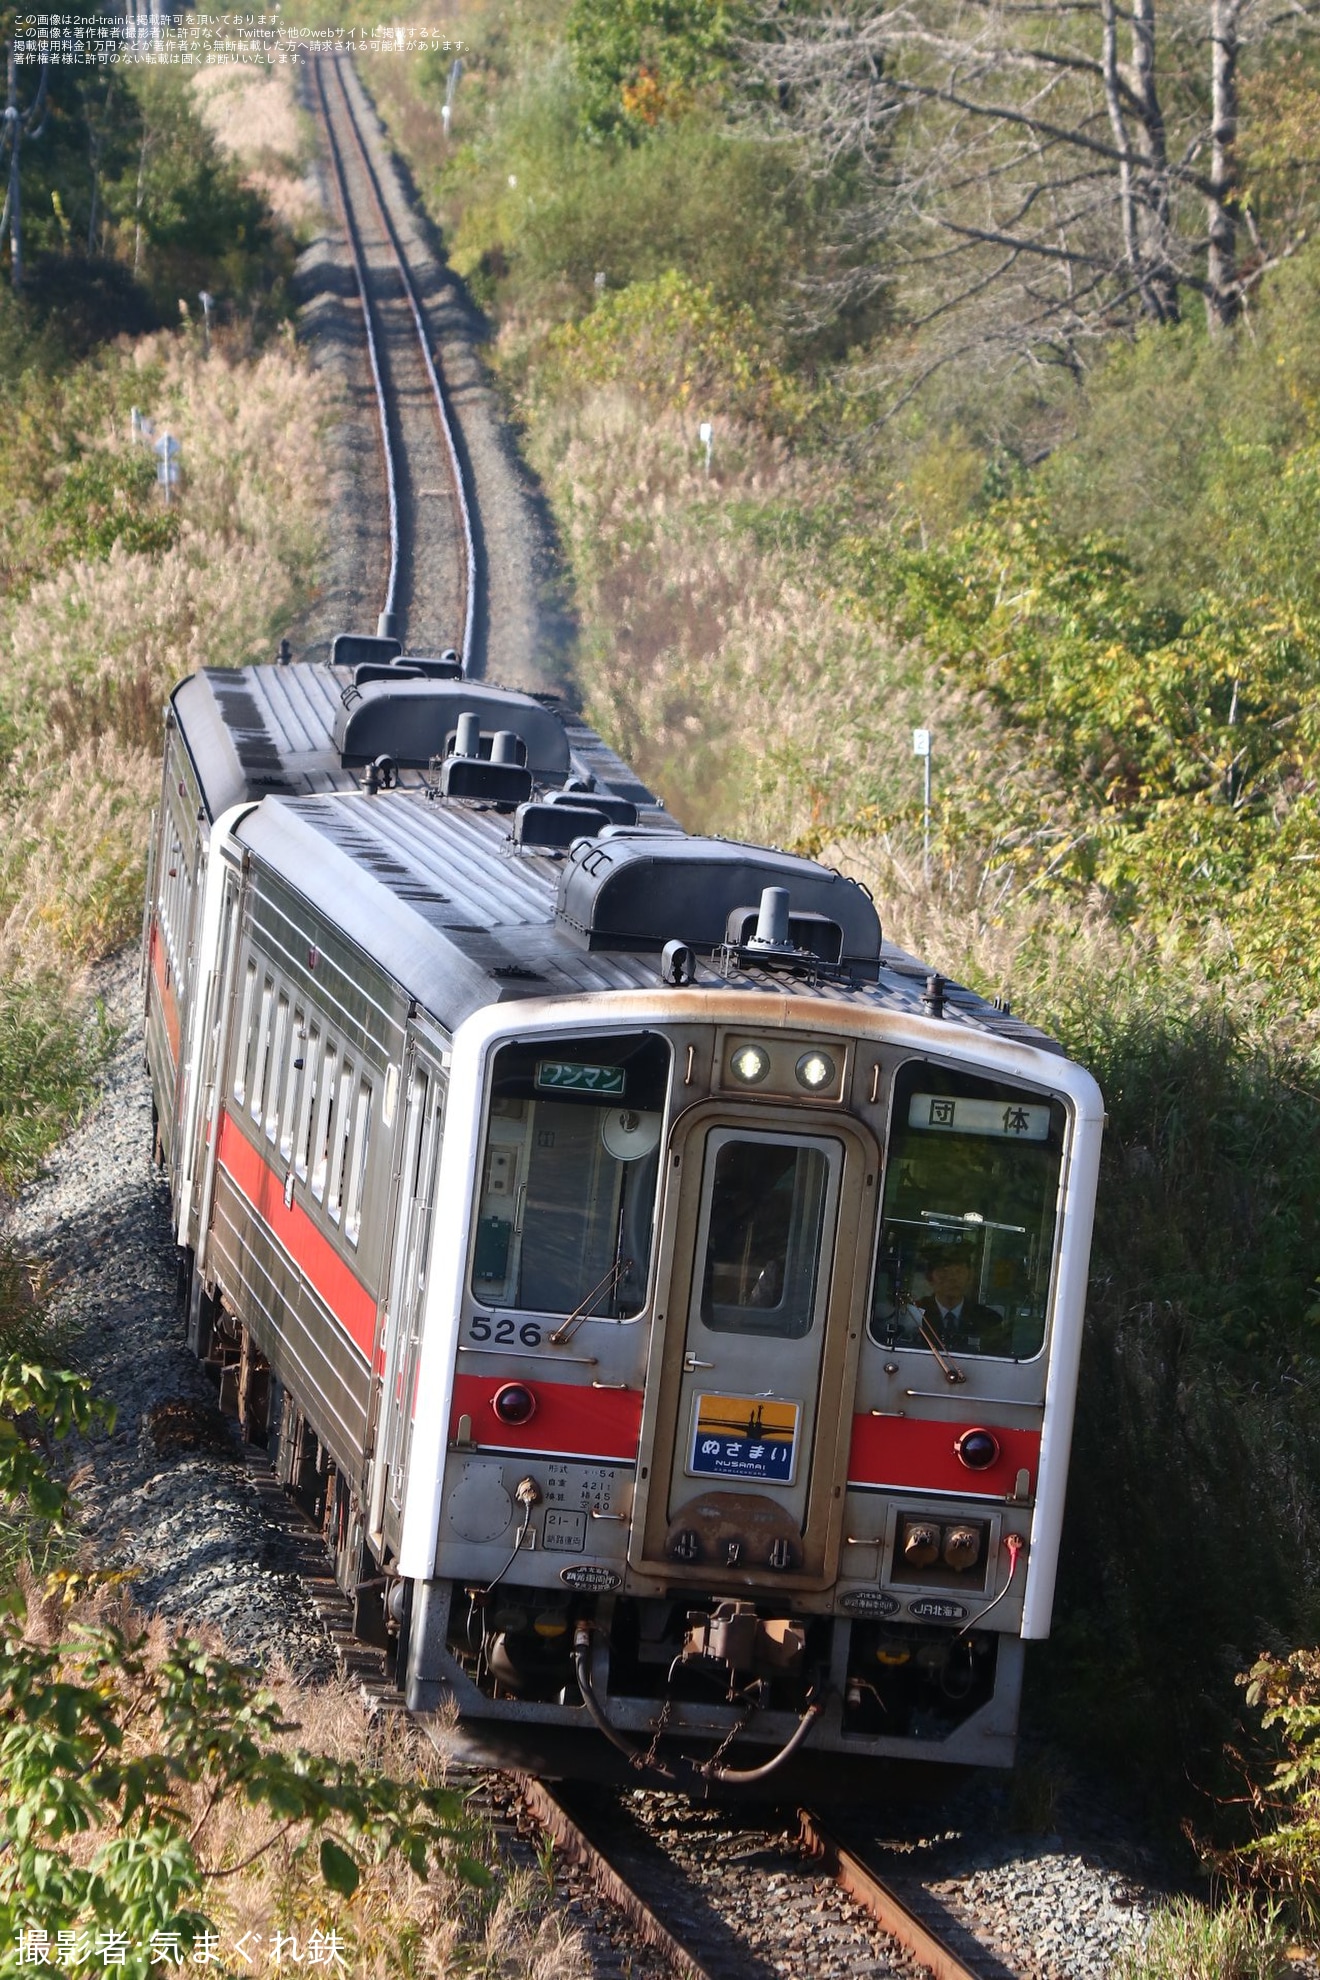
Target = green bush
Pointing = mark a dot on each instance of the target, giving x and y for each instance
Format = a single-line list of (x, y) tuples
[(1189, 1941), (644, 62), (1284, 1856), (673, 341)]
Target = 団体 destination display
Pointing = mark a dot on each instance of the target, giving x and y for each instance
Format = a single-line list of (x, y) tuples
[(1013, 1121)]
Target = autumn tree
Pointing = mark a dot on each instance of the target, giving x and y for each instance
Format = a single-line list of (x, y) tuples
[(1026, 177)]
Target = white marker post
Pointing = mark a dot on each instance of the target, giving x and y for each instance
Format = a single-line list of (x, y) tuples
[(706, 435), (447, 107), (921, 748), (167, 464)]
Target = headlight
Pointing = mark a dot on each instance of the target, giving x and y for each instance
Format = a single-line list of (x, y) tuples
[(750, 1064), (815, 1070)]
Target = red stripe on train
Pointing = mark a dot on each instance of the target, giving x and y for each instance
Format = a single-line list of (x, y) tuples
[(169, 1007), (311, 1251), (915, 1454), (571, 1420)]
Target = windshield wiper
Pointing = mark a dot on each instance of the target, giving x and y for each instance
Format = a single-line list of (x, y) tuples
[(951, 1373), (582, 1311)]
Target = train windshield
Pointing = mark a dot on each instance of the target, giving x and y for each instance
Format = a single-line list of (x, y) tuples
[(569, 1175), (970, 1203)]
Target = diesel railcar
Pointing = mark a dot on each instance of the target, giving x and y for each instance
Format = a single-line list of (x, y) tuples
[(666, 1292)]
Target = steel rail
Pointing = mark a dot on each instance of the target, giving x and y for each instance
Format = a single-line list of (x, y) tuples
[(890, 1911), (437, 389), (359, 270), (546, 1808)]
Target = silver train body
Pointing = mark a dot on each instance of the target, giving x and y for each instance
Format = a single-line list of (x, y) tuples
[(666, 1293)]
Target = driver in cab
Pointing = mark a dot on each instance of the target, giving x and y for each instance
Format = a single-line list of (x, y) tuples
[(950, 1311)]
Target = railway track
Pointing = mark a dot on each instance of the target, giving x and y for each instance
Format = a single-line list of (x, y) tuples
[(770, 1883), (637, 1852), (430, 590)]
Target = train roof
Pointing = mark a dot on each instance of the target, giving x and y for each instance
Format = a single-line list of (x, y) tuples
[(461, 916), (301, 730), (485, 846)]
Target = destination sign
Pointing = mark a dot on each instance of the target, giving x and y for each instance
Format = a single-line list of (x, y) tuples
[(570, 1076), (1009, 1120)]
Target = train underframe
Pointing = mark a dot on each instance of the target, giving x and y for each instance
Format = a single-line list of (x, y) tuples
[(690, 1686)]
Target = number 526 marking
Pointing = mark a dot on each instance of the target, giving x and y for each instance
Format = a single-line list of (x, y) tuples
[(505, 1332)]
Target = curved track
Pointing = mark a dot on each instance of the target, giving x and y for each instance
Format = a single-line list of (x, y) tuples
[(430, 591)]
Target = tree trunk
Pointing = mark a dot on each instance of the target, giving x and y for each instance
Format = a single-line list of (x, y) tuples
[(1223, 295), (13, 202), (1154, 192), (1122, 144)]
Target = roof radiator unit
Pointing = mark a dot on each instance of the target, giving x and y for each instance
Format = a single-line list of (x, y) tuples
[(352, 649), (417, 721), (640, 891), (498, 778), (411, 667)]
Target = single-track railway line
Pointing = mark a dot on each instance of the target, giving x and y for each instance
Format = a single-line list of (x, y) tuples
[(431, 586)]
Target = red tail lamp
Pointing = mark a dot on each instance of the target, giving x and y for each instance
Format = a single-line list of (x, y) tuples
[(977, 1449), (515, 1404)]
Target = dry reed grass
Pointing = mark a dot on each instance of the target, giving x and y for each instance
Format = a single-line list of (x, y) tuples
[(253, 116), (92, 652), (257, 1878), (721, 660)]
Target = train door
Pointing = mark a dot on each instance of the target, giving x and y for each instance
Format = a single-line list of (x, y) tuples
[(423, 1126), (760, 1356), (201, 1067)]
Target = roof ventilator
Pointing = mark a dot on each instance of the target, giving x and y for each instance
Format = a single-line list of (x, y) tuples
[(499, 778), (615, 810), (349, 649), (410, 667), (547, 827)]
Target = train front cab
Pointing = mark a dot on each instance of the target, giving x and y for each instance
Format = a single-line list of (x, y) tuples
[(680, 1398)]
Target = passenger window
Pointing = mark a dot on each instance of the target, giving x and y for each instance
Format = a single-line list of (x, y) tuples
[(263, 1050), (307, 1105), (325, 1118), (339, 1148), (247, 1034), (357, 1169), (277, 1067), (293, 1083), (971, 1192)]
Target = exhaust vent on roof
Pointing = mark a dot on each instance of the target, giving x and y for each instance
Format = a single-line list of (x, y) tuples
[(638, 890)]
